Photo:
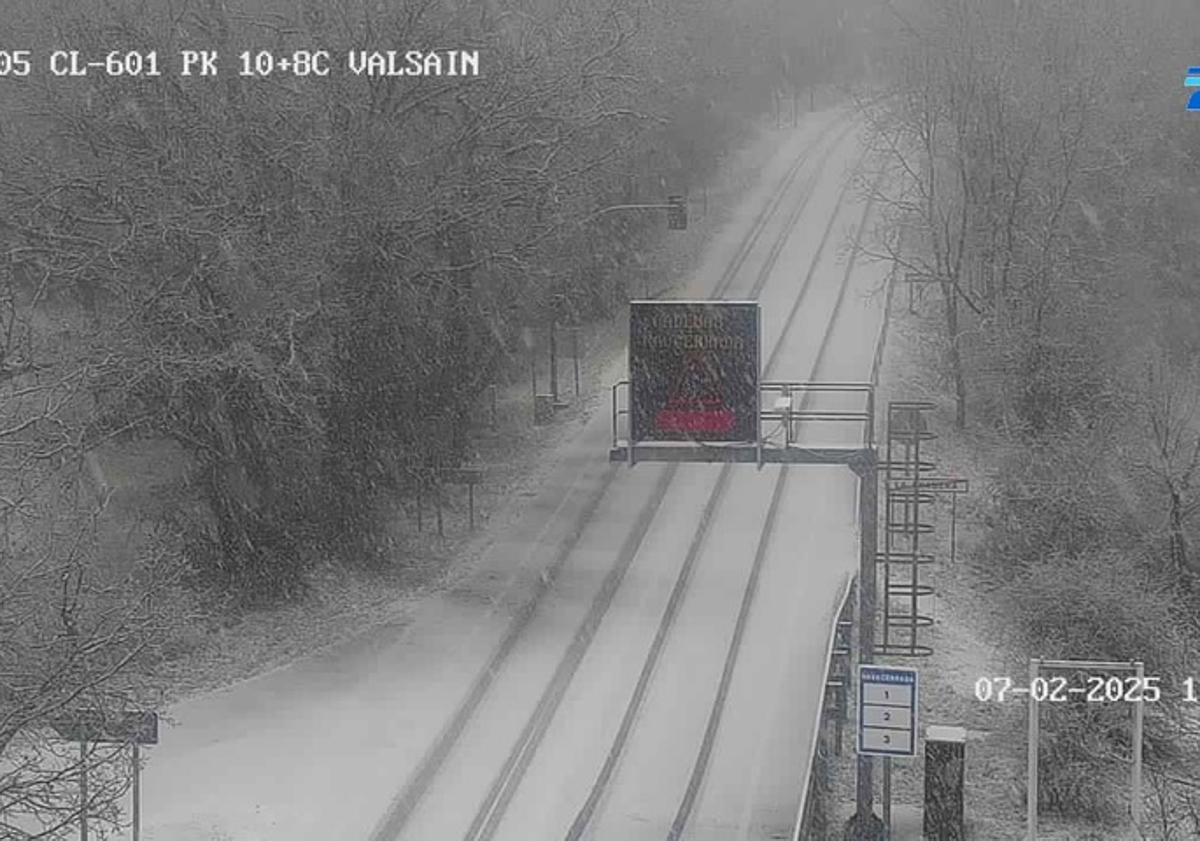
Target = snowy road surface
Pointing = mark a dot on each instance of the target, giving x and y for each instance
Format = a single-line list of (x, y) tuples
[(520, 704)]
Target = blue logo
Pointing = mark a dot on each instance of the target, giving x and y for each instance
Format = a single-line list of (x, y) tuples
[(1192, 80)]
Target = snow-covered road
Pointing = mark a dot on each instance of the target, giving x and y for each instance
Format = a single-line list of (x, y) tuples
[(494, 711)]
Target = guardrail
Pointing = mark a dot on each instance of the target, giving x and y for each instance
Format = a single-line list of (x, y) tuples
[(805, 813)]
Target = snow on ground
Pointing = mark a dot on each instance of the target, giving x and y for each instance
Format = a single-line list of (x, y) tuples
[(319, 748)]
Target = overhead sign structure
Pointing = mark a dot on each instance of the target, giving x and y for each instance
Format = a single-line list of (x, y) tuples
[(887, 711), (131, 727), (694, 370)]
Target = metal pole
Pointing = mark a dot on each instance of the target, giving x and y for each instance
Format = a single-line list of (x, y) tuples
[(839, 722), (575, 353), (1032, 754), (83, 792), (888, 537), (613, 417), (471, 505), (493, 389), (787, 417), (553, 364), (533, 372), (867, 504), (758, 395), (887, 798), (953, 525), (1135, 805), (137, 793), (916, 528), (437, 495)]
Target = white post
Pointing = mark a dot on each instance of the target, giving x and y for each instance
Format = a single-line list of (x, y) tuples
[(1135, 805), (1032, 771), (83, 792)]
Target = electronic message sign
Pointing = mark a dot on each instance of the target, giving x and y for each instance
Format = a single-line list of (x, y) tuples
[(693, 370)]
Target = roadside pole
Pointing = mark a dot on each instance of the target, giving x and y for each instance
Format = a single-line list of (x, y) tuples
[(83, 792), (553, 363), (866, 823), (575, 354), (1139, 719), (887, 798), (137, 792)]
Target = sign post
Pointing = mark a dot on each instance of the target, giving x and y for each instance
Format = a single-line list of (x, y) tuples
[(887, 721), (1037, 687), (553, 361), (469, 476), (132, 727), (137, 792), (952, 486), (83, 792)]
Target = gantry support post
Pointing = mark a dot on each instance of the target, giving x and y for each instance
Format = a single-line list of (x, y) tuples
[(865, 825)]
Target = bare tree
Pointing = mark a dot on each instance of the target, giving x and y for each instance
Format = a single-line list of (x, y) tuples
[(986, 123), (78, 624), (1172, 415)]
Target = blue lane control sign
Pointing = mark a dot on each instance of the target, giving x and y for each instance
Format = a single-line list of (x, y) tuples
[(1192, 80), (887, 711)]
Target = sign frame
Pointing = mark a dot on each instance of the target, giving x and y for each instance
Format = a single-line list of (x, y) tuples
[(871, 675), (731, 378), (931, 484), (127, 727)]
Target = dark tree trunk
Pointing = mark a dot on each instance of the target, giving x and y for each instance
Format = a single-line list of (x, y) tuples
[(954, 356)]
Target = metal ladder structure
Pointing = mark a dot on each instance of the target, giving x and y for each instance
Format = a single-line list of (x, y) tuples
[(906, 532)]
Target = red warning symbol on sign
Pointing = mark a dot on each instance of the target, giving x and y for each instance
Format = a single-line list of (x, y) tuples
[(695, 404)]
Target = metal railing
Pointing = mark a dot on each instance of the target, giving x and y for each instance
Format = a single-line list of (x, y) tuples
[(617, 411), (789, 415)]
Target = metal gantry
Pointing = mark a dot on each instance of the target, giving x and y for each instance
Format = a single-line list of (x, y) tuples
[(863, 461)]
